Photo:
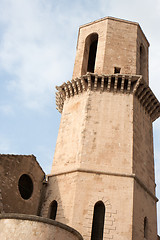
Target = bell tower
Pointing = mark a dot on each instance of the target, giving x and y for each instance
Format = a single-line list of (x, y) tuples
[(102, 180)]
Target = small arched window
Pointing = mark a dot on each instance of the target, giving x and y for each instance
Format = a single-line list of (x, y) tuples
[(98, 221), (53, 210), (145, 227), (90, 50), (143, 60)]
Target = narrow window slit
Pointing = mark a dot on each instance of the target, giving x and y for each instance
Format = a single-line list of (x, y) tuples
[(119, 84), (125, 84), (145, 227)]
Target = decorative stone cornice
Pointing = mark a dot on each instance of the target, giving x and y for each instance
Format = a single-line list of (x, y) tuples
[(124, 84), (147, 99)]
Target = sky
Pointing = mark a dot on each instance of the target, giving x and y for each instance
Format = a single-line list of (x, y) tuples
[(37, 52)]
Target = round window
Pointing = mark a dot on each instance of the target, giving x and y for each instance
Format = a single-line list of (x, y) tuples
[(25, 186)]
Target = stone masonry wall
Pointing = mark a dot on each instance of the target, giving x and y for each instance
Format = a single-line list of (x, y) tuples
[(68, 143), (107, 133), (144, 206), (143, 159), (120, 47), (62, 189), (12, 167), (25, 226), (119, 44), (77, 193), (100, 28), (95, 131), (141, 41)]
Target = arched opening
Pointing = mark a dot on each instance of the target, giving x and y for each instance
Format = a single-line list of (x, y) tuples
[(98, 221), (143, 60), (53, 210), (145, 227), (89, 56), (92, 55)]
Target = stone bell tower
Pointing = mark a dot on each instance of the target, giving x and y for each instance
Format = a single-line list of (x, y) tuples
[(102, 181)]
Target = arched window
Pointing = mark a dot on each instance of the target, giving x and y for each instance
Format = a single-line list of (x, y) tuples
[(53, 210), (143, 60), (98, 221), (90, 51), (145, 227)]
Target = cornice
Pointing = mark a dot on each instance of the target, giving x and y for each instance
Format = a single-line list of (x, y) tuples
[(116, 83), (147, 99)]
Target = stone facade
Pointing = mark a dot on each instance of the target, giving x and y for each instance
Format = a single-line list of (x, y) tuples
[(106, 155), (119, 44), (102, 180), (12, 167), (104, 148)]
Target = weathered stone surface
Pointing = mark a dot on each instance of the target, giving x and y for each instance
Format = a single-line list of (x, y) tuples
[(26, 227), (104, 149), (12, 167), (104, 153), (119, 42)]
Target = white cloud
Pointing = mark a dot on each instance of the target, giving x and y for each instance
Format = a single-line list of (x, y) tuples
[(37, 39), (37, 45), (30, 49)]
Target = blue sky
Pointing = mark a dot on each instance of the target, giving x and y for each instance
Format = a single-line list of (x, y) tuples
[(37, 51)]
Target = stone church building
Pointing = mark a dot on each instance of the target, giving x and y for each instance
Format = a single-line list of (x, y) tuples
[(102, 182)]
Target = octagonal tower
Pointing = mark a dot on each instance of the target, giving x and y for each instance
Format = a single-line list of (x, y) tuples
[(102, 181), (120, 47)]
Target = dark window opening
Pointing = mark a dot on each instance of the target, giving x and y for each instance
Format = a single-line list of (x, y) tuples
[(117, 70), (112, 83), (145, 227), (92, 56), (125, 84), (25, 186), (119, 84), (53, 210), (98, 221), (143, 60), (89, 55)]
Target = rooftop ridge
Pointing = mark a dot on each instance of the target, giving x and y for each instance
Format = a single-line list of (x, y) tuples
[(23, 155), (109, 17)]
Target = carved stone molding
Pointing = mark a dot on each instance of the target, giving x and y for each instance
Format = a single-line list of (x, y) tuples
[(147, 99), (116, 83)]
